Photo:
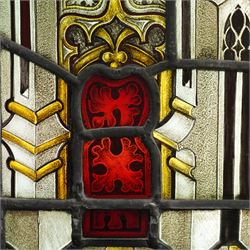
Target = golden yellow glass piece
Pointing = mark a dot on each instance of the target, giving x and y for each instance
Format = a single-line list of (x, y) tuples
[(166, 175), (35, 149), (166, 141), (62, 95), (181, 167), (62, 175), (36, 175), (139, 56), (182, 106), (115, 59), (165, 93), (167, 147), (35, 117), (234, 248)]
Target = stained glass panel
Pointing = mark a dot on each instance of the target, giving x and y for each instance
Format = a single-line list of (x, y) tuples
[(124, 124)]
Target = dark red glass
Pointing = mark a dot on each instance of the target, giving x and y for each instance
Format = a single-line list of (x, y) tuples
[(115, 223), (25, 23)]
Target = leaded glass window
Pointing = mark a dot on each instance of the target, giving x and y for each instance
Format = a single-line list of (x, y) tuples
[(125, 124)]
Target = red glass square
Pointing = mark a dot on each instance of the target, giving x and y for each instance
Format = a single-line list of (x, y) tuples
[(116, 168), (112, 103), (116, 223)]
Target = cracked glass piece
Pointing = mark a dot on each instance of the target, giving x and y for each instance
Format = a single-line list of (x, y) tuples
[(115, 223)]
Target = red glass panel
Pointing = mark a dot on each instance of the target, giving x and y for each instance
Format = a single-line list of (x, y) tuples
[(115, 223), (109, 103), (116, 168)]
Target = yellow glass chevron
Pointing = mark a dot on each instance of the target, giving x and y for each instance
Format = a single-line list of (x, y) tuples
[(36, 175), (35, 149), (35, 117)]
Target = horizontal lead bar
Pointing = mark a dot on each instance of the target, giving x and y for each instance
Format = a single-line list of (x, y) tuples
[(115, 242), (35, 204), (216, 65), (204, 204), (43, 204), (37, 59)]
